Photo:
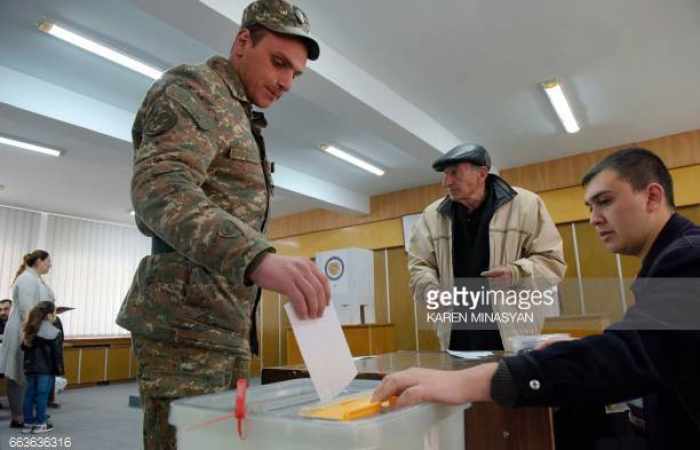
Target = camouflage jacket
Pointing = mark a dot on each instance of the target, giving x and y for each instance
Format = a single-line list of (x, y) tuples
[(202, 185)]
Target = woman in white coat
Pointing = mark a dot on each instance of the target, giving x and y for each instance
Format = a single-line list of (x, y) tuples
[(28, 290)]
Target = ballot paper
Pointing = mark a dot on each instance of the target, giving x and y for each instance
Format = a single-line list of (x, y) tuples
[(325, 351), (470, 355)]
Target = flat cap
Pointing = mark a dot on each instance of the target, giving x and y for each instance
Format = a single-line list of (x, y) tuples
[(471, 153), (284, 18)]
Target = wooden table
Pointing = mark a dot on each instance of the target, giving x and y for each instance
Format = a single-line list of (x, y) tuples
[(486, 425)]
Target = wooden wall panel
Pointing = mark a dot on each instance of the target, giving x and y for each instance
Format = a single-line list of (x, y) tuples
[(293, 353), (678, 150), (402, 314), (630, 266), (270, 329), (569, 298), (407, 201), (382, 207), (383, 339), (428, 340), (691, 212), (92, 365), (118, 363), (284, 325), (379, 235), (686, 185), (71, 358), (358, 341), (576, 326), (427, 336), (255, 367), (599, 273), (381, 306), (363, 340), (554, 174), (565, 205)]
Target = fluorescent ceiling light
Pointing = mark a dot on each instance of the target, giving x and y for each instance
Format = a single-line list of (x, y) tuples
[(99, 49), (30, 147), (352, 160), (556, 96)]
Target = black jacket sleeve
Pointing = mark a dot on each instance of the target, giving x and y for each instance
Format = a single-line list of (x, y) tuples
[(598, 369), (638, 356)]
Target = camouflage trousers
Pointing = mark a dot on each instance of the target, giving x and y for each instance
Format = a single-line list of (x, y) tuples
[(167, 372)]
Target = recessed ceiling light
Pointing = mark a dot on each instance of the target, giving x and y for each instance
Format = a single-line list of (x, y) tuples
[(355, 161), (132, 212), (30, 147), (561, 105), (99, 49)]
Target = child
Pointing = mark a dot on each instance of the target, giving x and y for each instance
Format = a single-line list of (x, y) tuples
[(42, 361)]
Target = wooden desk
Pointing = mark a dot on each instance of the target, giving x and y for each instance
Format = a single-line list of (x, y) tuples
[(486, 425), (98, 359)]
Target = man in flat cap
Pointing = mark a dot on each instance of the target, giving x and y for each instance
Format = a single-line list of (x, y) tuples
[(484, 229), (201, 189)]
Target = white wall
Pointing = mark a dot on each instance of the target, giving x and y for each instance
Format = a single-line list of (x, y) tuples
[(19, 231), (93, 264)]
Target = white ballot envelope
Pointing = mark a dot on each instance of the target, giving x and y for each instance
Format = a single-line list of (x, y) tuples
[(325, 351)]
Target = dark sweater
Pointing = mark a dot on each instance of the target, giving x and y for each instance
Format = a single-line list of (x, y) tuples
[(471, 256)]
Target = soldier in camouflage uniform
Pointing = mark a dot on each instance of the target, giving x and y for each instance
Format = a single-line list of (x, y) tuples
[(201, 189)]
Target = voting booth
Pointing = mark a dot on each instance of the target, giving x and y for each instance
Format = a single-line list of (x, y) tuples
[(350, 272), (274, 421)]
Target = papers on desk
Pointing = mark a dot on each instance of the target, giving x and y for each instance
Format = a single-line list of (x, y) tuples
[(325, 351), (470, 355)]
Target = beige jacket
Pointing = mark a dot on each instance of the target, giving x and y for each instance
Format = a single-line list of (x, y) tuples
[(522, 235)]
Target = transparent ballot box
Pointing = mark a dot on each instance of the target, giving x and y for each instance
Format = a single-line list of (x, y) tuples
[(276, 418)]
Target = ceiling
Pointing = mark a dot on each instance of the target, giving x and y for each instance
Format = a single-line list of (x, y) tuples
[(398, 83)]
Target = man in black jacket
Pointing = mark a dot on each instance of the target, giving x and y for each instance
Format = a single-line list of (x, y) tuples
[(651, 353)]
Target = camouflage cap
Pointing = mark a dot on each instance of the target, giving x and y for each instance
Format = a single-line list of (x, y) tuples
[(284, 18)]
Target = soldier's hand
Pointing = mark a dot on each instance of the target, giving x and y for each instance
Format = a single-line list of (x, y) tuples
[(297, 278)]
